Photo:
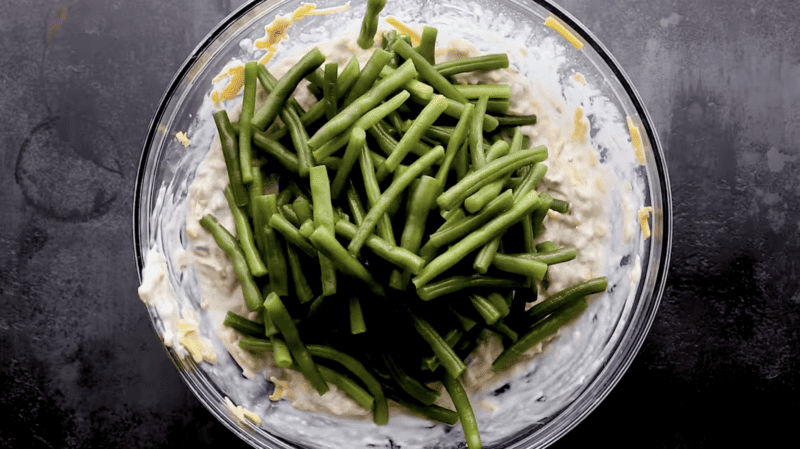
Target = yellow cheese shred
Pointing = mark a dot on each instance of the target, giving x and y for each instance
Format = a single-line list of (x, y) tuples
[(274, 33), (562, 30), (581, 129), (636, 140), (241, 413), (404, 29), (198, 347), (644, 215), (183, 138)]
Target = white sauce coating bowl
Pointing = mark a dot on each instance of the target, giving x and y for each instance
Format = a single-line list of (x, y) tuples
[(542, 398)]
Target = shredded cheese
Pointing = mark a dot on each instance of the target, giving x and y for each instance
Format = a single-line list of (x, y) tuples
[(644, 214), (182, 138), (241, 414), (403, 28), (636, 140), (581, 129), (562, 30), (199, 347)]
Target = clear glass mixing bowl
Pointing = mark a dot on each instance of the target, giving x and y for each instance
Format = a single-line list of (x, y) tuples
[(589, 364)]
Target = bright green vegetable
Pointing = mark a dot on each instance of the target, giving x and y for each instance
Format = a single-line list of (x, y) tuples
[(229, 244), (369, 25), (390, 195), (230, 151), (246, 239), (246, 130), (274, 102)]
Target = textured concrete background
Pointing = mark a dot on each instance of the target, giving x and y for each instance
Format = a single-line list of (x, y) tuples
[(81, 367)]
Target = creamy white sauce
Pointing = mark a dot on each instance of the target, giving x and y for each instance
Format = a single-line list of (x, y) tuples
[(545, 379)]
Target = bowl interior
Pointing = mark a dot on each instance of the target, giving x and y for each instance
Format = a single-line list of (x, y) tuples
[(588, 363)]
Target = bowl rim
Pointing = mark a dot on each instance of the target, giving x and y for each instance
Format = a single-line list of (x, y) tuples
[(659, 162)]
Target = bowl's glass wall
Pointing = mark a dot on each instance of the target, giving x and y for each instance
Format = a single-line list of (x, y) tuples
[(167, 169)]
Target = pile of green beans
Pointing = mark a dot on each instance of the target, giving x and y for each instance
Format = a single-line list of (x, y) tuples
[(390, 264)]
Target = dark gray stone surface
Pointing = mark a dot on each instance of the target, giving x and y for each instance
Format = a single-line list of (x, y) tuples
[(81, 367)]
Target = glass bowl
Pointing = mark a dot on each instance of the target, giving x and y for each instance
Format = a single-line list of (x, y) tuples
[(576, 371)]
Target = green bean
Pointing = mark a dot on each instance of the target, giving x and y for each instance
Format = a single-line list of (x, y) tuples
[(391, 194), (299, 137), (464, 409), (475, 91), (425, 119), (430, 412), (276, 150), (457, 139), (447, 357), (419, 204), (274, 102), (268, 82), (391, 253), (323, 218), (357, 324), (254, 189), (384, 223), (307, 228), (466, 322), (413, 387), (368, 75), (497, 107), (356, 207), (245, 233), (329, 89), (546, 247), (228, 243), (454, 109), (358, 138), (427, 71), (366, 121), (230, 150), (504, 329), (381, 411), (550, 258), (516, 120), (246, 130), (492, 171), (452, 337), (560, 206), (539, 333), (363, 104), (369, 25), (420, 92), (280, 316), (387, 143), (477, 200), (477, 238), (454, 284), (427, 44), (499, 303), (518, 265), (537, 219), (324, 240), (472, 223), (476, 152), (302, 290), (303, 209), (281, 353), (485, 309), (292, 234), (243, 325), (482, 63), (274, 255), (287, 212), (566, 297), (349, 386)]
